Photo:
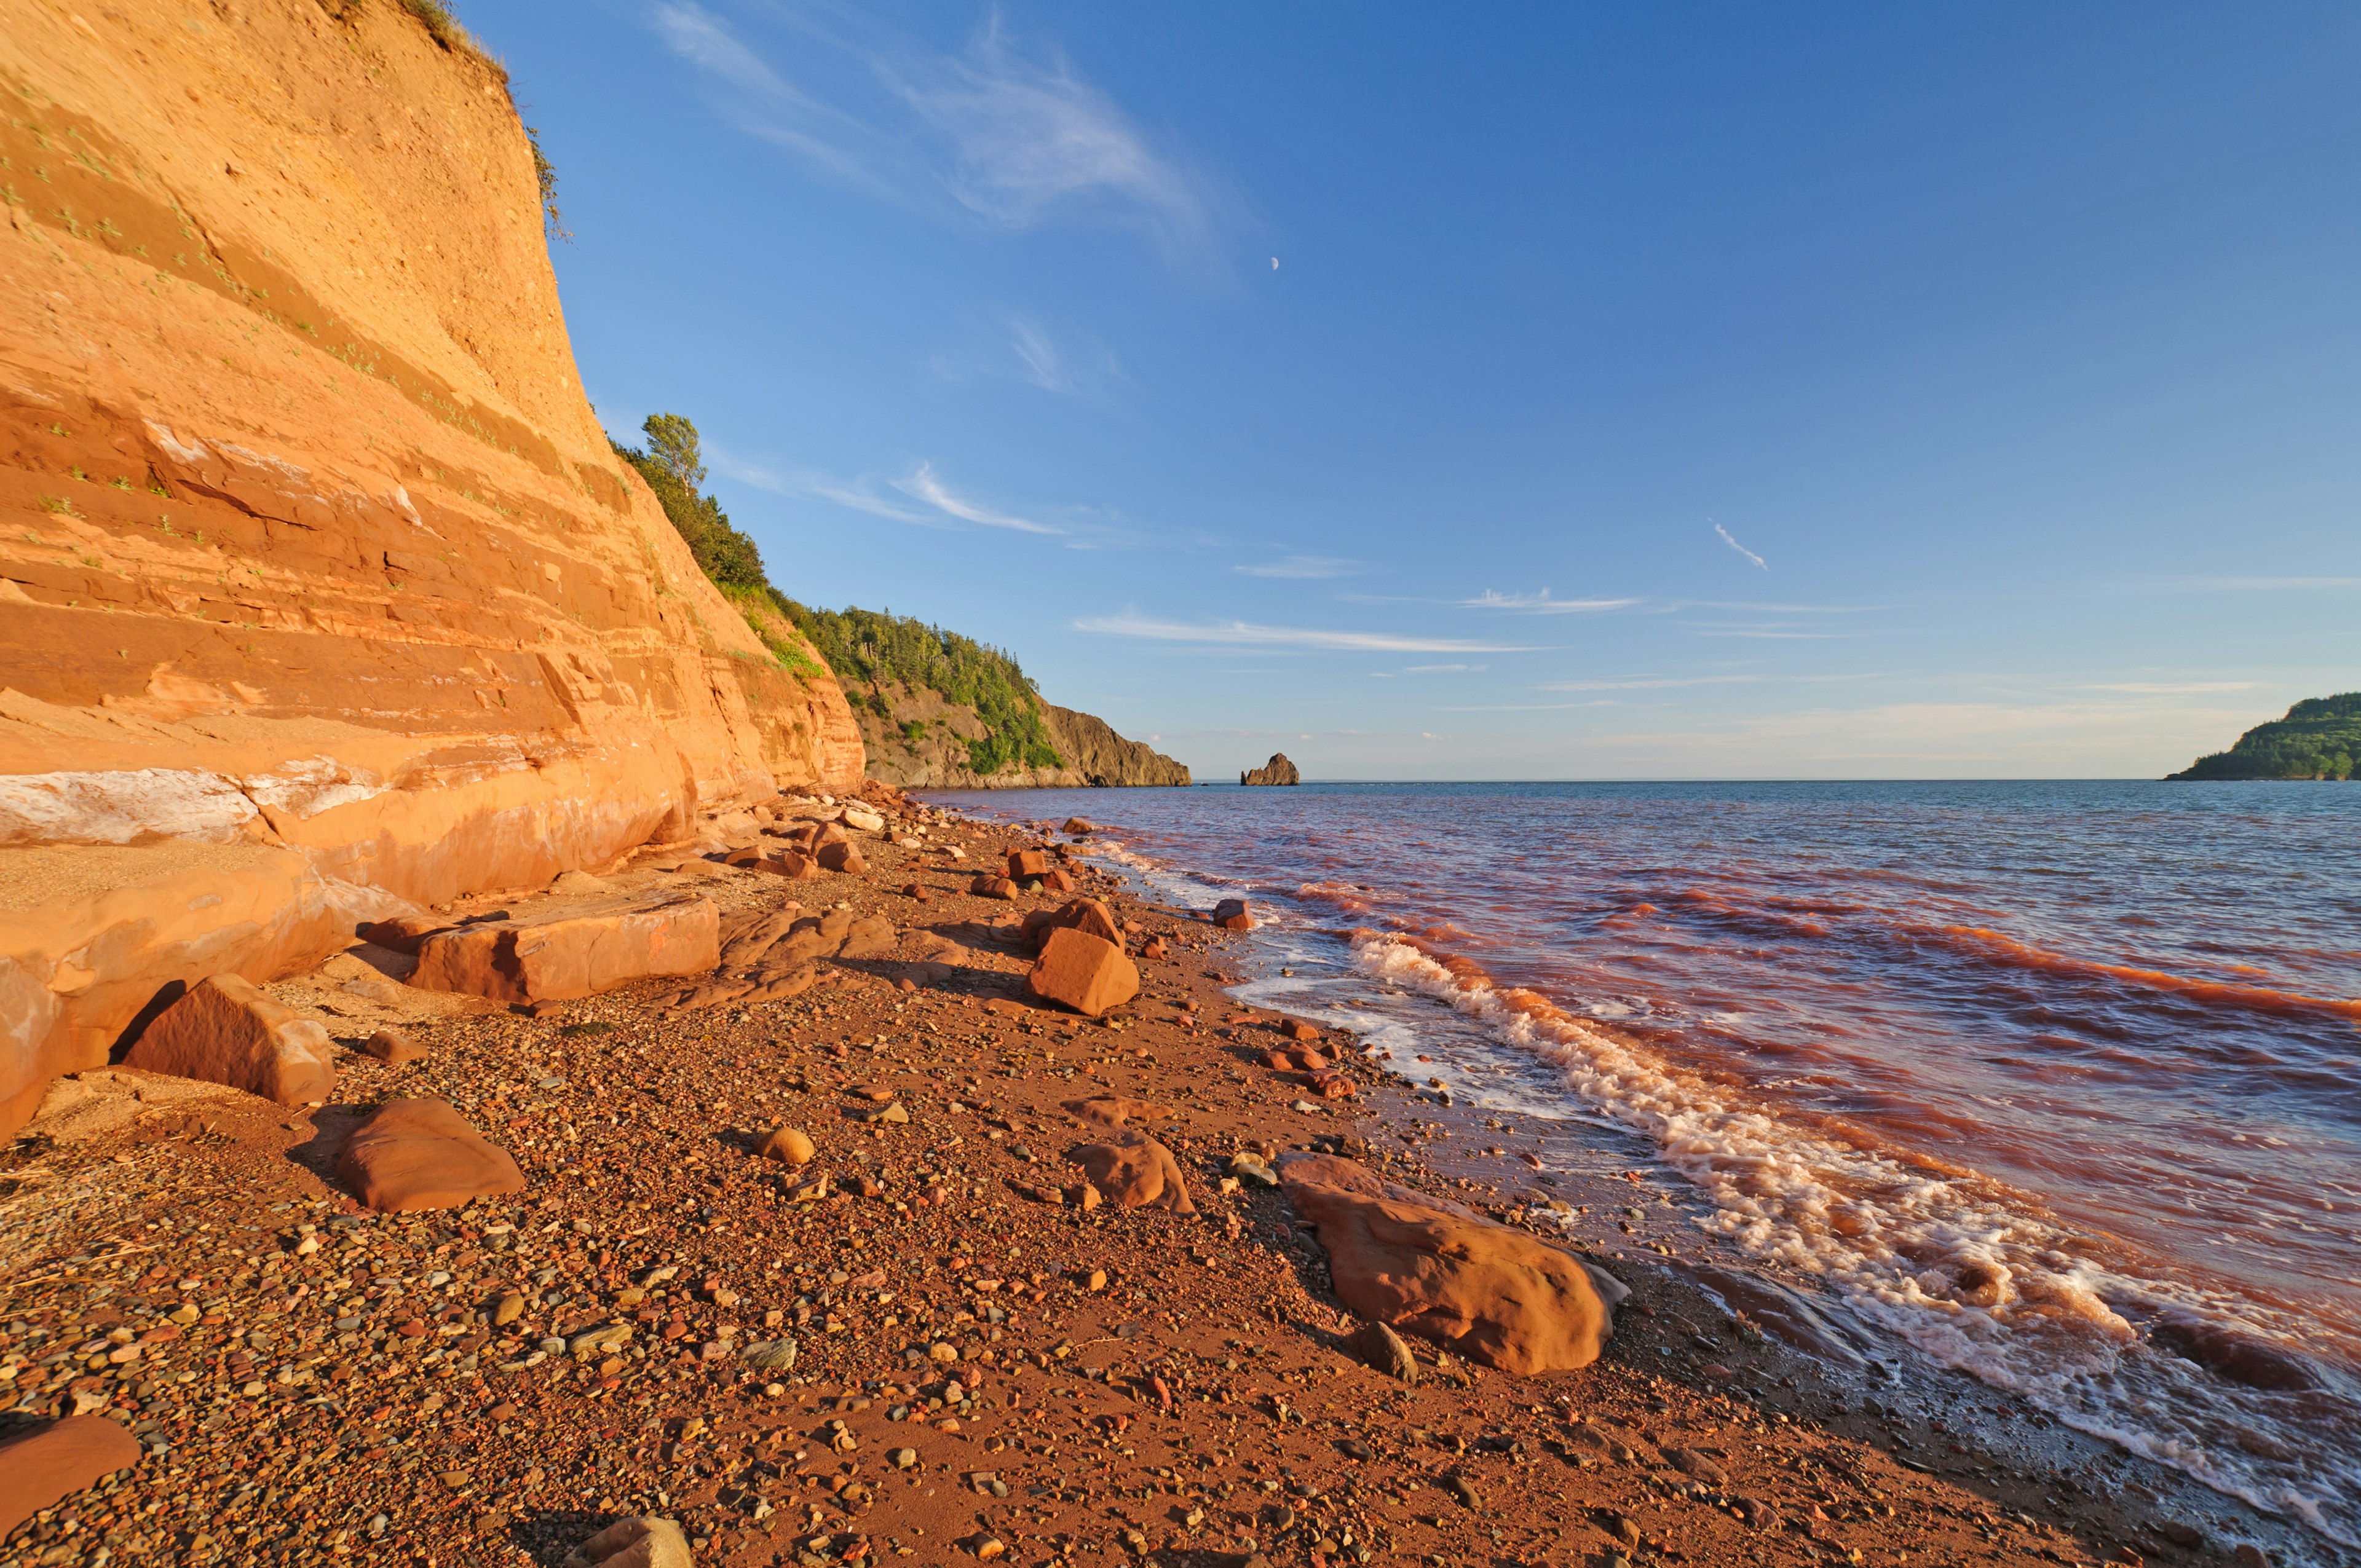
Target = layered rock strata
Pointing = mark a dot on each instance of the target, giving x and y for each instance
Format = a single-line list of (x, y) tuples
[(321, 593)]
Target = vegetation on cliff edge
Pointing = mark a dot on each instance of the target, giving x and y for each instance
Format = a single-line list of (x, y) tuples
[(2319, 738), (875, 649), (673, 464)]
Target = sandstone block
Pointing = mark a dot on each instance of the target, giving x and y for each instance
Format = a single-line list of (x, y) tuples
[(1488, 1292), (1056, 881), (1232, 914), (1025, 864), (844, 858), (579, 954), (1078, 826), (1133, 1171), (1087, 974), (1156, 948), (48, 1465), (227, 1031), (414, 1155), (990, 886)]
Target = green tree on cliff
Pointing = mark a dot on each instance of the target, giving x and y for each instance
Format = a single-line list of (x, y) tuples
[(674, 466)]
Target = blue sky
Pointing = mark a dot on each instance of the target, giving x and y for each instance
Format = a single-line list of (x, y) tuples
[(1639, 392)]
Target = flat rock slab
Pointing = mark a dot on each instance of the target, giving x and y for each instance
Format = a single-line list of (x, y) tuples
[(227, 1031), (44, 1467), (580, 952), (413, 1155)]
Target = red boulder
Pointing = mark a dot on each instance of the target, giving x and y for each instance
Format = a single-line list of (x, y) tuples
[(1232, 914), (1087, 974), (411, 1155), (227, 1031)]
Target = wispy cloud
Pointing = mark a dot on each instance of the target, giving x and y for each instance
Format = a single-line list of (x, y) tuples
[(922, 485), (2264, 583), (2161, 686), (1441, 669), (1647, 683), (1304, 567), (1543, 604), (1062, 362), (1239, 633), (1014, 138), (1742, 549)]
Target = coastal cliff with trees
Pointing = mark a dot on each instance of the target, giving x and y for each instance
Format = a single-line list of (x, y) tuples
[(934, 709), (2319, 738)]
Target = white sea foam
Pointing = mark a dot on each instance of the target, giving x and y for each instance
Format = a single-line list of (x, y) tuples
[(1935, 1260)]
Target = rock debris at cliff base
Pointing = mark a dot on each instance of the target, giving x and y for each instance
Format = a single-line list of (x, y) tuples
[(935, 1353)]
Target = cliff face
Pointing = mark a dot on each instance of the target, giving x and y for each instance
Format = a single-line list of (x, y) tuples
[(920, 743), (1093, 749), (319, 589)]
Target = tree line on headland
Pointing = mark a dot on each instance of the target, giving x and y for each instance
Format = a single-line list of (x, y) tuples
[(2319, 738), (863, 647)]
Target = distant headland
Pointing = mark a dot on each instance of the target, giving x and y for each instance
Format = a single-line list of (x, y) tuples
[(2319, 738)]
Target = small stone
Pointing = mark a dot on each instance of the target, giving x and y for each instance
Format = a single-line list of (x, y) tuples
[(510, 1309), (943, 1352), (392, 1048), (902, 1458), (1377, 1345), (789, 1144)]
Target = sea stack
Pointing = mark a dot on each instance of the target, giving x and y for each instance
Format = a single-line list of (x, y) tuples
[(1278, 770)]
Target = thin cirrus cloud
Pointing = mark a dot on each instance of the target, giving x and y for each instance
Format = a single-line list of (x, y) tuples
[(1304, 567), (2156, 688), (937, 504), (1543, 604), (1073, 369), (1742, 549), (1245, 634), (1018, 141), (921, 484)]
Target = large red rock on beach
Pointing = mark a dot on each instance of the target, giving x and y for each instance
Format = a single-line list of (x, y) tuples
[(1133, 1171), (411, 1155), (1088, 914), (1087, 974), (572, 955), (987, 886), (1025, 864), (1232, 914), (844, 857), (1491, 1294), (50, 1464), (227, 1031)]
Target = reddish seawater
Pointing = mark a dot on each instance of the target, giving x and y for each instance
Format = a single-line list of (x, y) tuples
[(2056, 1083)]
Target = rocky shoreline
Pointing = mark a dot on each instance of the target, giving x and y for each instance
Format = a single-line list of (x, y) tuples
[(933, 1341)]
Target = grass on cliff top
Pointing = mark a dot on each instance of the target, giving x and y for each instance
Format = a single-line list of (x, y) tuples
[(2319, 738)]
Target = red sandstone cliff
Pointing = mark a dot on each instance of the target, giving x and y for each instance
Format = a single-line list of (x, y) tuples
[(319, 589)]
